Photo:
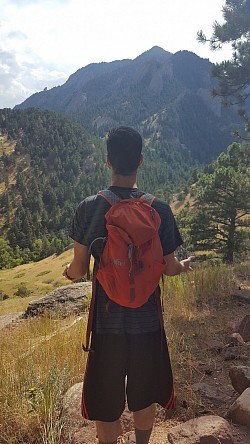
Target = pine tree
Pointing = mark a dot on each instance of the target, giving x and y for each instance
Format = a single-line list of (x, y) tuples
[(233, 75), (222, 220)]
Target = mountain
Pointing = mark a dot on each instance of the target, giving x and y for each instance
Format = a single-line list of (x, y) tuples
[(166, 96)]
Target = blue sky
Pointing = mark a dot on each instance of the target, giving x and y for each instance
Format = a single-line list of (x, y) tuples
[(42, 42)]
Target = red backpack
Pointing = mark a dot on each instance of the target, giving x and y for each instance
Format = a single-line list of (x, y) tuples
[(132, 260)]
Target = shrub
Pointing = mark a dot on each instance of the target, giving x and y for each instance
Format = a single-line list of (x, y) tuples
[(22, 291)]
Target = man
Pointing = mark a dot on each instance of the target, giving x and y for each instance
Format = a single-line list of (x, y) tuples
[(130, 355)]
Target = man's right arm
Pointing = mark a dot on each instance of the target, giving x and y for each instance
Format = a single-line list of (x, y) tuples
[(174, 266), (80, 263)]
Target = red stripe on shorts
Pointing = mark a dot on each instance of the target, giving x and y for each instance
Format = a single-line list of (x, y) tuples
[(170, 403)]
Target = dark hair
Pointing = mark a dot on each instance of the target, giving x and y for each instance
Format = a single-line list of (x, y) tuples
[(124, 147)]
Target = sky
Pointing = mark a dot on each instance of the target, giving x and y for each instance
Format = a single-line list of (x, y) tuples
[(43, 42)]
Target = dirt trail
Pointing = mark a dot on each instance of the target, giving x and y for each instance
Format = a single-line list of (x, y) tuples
[(8, 319)]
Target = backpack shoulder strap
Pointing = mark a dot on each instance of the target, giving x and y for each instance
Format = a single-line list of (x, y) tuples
[(109, 196), (149, 198)]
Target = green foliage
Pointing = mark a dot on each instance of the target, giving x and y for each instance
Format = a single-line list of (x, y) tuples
[(8, 257), (43, 273), (22, 291), (233, 75), (184, 220), (222, 219), (57, 165)]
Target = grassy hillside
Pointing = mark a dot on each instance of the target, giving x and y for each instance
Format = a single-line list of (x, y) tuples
[(181, 200), (38, 277)]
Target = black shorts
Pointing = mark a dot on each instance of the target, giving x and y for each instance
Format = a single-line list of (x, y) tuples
[(136, 367)]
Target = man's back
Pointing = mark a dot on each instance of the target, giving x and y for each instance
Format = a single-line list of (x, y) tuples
[(88, 225)]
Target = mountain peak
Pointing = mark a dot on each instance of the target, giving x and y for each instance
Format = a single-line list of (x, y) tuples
[(155, 53)]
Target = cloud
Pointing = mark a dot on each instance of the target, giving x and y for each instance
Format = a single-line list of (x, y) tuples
[(8, 65), (9, 72), (17, 35), (33, 2), (18, 81), (25, 2)]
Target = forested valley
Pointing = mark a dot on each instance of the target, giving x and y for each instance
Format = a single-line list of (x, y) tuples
[(48, 165)]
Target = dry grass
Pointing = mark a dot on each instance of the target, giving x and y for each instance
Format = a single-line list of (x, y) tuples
[(198, 308), (187, 201), (42, 358), (6, 146), (38, 277)]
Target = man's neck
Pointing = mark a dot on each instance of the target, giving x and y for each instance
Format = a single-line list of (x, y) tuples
[(123, 181)]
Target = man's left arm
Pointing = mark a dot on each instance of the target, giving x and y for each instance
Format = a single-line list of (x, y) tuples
[(80, 263)]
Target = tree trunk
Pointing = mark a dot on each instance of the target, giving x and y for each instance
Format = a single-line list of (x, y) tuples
[(231, 241)]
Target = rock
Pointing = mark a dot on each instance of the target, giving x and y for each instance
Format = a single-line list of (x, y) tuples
[(8, 319), (236, 339), (64, 301), (243, 328), (231, 353), (240, 378), (210, 392), (211, 345), (242, 296), (237, 353), (76, 429), (239, 412), (206, 430)]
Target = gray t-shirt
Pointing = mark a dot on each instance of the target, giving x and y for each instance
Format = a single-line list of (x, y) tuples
[(88, 224)]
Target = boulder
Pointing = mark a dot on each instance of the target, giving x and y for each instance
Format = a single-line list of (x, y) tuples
[(239, 412), (64, 301), (76, 429), (210, 391), (240, 378), (243, 328), (206, 430)]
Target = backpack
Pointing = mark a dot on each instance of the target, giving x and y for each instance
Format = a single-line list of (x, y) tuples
[(131, 263), (132, 260)]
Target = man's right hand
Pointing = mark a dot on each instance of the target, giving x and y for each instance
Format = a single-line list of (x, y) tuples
[(174, 266)]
